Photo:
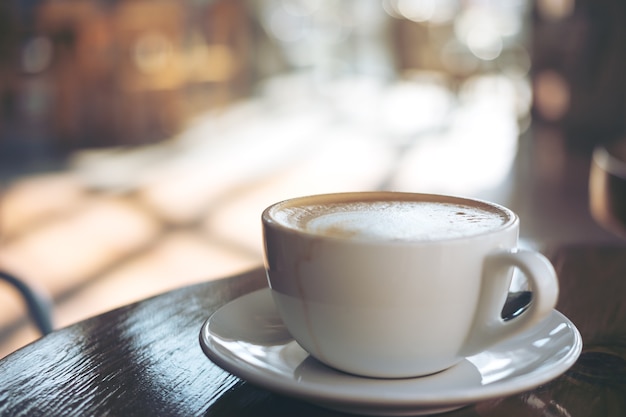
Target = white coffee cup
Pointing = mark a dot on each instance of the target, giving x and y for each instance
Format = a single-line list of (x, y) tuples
[(394, 285)]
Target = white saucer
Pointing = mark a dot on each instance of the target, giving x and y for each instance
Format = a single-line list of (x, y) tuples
[(247, 338)]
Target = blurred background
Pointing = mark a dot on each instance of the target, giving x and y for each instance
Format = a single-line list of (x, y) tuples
[(141, 139)]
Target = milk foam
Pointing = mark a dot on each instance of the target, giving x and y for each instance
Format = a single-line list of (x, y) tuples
[(393, 220)]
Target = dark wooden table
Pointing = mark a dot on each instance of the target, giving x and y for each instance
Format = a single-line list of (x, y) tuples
[(145, 359)]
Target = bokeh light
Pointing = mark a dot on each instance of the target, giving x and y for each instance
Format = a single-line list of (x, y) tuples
[(37, 54)]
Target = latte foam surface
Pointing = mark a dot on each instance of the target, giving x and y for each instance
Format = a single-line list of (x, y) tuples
[(392, 220)]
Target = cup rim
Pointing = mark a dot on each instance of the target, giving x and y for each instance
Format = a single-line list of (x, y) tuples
[(604, 157), (268, 221)]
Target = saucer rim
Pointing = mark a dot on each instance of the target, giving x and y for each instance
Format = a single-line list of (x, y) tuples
[(320, 393)]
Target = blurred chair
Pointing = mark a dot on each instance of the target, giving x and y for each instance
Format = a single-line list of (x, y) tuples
[(39, 306)]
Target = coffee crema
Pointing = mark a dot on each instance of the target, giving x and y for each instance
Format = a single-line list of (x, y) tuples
[(404, 220)]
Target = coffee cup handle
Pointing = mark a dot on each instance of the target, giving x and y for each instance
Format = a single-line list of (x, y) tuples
[(489, 327)]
